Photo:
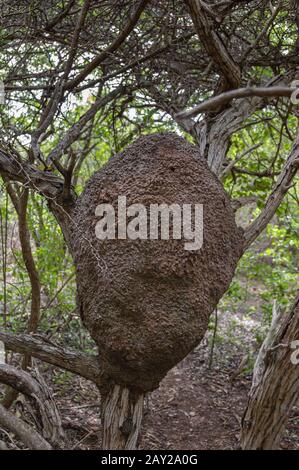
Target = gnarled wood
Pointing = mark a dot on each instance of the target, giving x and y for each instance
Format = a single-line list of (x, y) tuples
[(26, 434), (214, 45), (16, 169), (79, 363), (274, 391), (122, 412), (40, 397)]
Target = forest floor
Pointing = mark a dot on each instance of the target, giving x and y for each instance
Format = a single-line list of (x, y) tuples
[(195, 408)]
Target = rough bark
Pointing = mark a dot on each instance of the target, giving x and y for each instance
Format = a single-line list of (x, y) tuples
[(122, 412), (26, 434), (14, 168), (220, 100), (87, 366), (211, 40), (39, 396), (275, 389), (213, 133)]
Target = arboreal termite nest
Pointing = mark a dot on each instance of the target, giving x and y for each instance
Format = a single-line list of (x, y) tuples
[(147, 303)]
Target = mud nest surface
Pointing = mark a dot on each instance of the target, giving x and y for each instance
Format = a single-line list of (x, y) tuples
[(147, 303)]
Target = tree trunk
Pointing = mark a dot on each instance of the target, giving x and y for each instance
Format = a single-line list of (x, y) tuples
[(122, 412), (21, 205), (276, 391)]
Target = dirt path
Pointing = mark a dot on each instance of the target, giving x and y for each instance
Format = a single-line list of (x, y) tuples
[(194, 408)]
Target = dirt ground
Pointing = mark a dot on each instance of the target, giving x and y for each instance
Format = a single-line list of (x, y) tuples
[(195, 408), (201, 409)]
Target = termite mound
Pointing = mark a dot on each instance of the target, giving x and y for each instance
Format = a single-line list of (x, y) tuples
[(146, 303)]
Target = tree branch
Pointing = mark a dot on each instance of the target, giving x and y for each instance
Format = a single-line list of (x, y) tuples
[(232, 164), (24, 235), (112, 48), (12, 167), (75, 39), (72, 134), (39, 396), (224, 98), (213, 44), (263, 32), (282, 185), (87, 366)]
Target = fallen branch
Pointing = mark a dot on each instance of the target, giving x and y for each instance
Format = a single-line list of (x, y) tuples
[(39, 396), (27, 435), (79, 363)]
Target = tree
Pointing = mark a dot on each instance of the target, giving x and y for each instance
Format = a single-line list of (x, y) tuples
[(138, 61), (275, 386)]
